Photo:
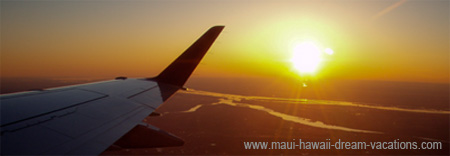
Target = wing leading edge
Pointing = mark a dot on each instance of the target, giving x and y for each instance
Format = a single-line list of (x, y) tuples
[(88, 118)]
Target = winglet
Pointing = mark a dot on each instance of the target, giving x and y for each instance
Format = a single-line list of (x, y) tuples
[(179, 70)]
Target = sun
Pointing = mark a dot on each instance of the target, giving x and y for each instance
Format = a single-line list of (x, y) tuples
[(306, 57)]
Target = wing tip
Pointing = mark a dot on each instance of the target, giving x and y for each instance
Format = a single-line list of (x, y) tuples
[(181, 68)]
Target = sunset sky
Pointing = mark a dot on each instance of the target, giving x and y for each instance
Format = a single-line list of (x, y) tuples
[(393, 40)]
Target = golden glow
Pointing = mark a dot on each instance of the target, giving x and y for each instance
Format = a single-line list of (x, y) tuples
[(329, 51), (306, 57), (304, 85), (43, 40)]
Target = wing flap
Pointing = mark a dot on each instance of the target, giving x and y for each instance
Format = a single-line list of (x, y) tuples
[(25, 107), (31, 141)]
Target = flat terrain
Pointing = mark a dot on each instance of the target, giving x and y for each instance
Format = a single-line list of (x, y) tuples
[(218, 115), (214, 123)]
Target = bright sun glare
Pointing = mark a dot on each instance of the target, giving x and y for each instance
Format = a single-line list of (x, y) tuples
[(307, 57)]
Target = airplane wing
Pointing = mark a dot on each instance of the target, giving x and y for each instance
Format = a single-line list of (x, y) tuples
[(89, 118)]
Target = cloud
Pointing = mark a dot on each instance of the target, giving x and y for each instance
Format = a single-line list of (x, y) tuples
[(312, 102), (229, 99), (388, 9), (292, 118)]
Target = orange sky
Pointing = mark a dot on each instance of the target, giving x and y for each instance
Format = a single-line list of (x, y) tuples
[(372, 40)]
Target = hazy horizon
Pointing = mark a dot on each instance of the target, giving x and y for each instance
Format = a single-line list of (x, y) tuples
[(376, 92)]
